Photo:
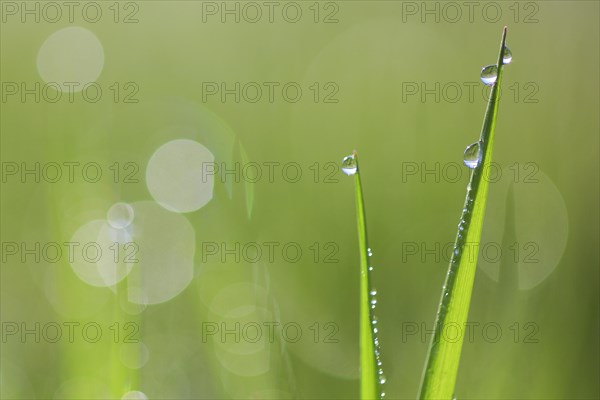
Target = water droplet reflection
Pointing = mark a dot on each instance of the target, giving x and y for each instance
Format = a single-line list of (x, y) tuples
[(473, 155), (349, 166), (489, 74)]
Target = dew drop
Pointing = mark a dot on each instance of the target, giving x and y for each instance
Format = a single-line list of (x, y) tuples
[(375, 330), (373, 292), (473, 155), (349, 166), (489, 74), (507, 57), (369, 252), (370, 268), (382, 379)]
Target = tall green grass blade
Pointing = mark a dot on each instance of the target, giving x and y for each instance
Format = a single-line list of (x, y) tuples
[(371, 377), (439, 375)]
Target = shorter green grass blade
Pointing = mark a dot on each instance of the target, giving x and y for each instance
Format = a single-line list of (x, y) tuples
[(371, 377)]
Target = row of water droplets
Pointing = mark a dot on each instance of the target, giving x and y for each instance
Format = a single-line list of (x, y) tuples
[(489, 74), (350, 167), (472, 158), (373, 301), (375, 330), (458, 248)]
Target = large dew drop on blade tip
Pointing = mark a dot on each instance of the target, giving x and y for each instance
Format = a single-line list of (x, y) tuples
[(349, 166)]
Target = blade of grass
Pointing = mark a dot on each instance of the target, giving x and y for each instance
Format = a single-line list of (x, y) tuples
[(369, 370), (439, 375)]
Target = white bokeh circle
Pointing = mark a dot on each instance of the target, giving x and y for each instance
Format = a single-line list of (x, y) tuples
[(166, 244), (134, 395), (120, 215), (71, 58), (179, 175), (102, 255)]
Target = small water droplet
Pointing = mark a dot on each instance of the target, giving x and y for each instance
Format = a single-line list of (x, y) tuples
[(373, 301), (375, 330), (370, 268), (374, 322), (379, 363), (489, 74), (373, 292), (507, 58), (369, 252), (473, 155), (349, 166), (382, 379), (382, 395)]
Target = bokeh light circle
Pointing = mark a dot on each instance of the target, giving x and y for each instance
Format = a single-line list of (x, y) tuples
[(72, 58), (102, 255), (523, 238), (134, 395), (120, 215), (165, 247), (134, 355), (178, 175)]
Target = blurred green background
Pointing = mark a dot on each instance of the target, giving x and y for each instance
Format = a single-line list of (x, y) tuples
[(380, 77)]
